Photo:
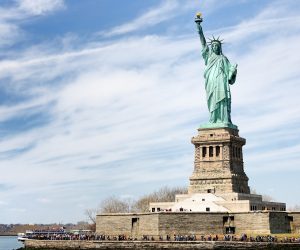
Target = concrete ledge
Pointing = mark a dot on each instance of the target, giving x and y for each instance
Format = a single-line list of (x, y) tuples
[(96, 245)]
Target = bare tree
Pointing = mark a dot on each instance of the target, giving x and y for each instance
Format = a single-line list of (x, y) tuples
[(116, 205), (109, 205), (164, 194), (265, 197), (91, 214), (113, 204), (295, 208), (253, 191)]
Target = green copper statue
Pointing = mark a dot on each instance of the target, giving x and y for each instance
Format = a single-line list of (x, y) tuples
[(218, 74)]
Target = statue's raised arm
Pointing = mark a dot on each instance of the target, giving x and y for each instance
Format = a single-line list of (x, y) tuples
[(198, 21)]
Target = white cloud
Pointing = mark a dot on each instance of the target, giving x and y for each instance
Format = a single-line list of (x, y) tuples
[(44, 200), (168, 11), (155, 16), (20, 10), (8, 33), (18, 210), (3, 203), (40, 7)]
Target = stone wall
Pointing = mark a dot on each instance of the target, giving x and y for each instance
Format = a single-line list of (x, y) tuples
[(191, 223), (93, 245), (233, 206), (129, 224), (149, 224), (251, 223), (156, 224), (188, 223), (263, 222), (295, 221), (279, 223), (113, 224)]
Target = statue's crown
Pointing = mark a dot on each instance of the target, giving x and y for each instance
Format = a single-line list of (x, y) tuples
[(215, 40)]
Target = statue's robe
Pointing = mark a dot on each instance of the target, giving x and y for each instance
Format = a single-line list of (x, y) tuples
[(218, 74)]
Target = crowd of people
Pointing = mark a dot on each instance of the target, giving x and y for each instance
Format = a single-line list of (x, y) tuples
[(175, 237)]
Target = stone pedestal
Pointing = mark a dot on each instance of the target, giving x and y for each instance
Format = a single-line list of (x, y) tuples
[(218, 166)]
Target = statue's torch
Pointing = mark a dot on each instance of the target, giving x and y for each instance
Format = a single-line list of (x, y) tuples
[(198, 18)]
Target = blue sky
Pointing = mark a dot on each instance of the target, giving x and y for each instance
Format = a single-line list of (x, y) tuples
[(101, 98)]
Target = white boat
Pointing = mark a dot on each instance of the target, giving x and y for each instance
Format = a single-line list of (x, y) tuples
[(32, 233), (22, 237)]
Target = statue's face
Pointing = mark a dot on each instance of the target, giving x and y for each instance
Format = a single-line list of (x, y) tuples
[(216, 48)]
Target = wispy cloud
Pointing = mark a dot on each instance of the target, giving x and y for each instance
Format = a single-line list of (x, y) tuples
[(40, 7), (44, 200), (153, 17), (20, 10), (166, 11)]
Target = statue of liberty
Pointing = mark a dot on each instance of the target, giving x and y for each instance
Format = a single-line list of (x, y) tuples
[(218, 74)]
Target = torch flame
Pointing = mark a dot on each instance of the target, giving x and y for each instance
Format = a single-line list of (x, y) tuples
[(198, 14)]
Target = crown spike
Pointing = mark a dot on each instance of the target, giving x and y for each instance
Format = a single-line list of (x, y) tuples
[(218, 40)]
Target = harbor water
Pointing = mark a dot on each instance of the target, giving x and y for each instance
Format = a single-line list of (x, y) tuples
[(10, 243)]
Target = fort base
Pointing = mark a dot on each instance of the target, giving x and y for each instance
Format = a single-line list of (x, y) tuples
[(218, 199)]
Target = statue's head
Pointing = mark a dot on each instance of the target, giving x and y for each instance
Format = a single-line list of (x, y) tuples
[(216, 45)]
